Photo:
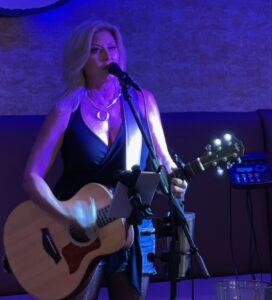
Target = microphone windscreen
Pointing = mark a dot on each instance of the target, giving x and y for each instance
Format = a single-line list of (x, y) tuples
[(115, 69)]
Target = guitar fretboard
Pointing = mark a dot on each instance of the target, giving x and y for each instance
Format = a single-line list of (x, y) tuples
[(103, 216)]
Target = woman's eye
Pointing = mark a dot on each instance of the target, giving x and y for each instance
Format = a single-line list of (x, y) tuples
[(112, 48), (94, 50)]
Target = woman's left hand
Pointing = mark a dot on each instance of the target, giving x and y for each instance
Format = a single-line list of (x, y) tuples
[(178, 187)]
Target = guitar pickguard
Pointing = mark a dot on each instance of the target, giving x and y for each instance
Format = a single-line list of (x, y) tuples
[(74, 254)]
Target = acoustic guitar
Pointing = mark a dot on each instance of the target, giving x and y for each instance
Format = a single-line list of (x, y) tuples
[(53, 260)]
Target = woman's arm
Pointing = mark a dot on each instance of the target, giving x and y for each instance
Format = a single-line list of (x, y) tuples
[(149, 108), (42, 157)]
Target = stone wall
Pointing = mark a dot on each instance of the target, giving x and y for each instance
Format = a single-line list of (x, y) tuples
[(194, 55)]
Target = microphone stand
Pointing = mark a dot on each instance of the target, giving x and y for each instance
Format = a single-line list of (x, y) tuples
[(177, 215)]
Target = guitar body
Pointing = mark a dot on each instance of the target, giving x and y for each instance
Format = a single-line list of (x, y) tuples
[(52, 260), (49, 258)]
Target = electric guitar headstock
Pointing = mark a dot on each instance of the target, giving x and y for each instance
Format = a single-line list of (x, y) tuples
[(221, 153)]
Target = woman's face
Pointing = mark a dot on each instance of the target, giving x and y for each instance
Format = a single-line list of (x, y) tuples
[(104, 51)]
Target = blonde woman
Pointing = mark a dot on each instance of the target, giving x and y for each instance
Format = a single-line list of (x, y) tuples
[(89, 126)]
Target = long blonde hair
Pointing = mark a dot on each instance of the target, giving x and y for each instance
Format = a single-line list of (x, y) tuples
[(78, 49)]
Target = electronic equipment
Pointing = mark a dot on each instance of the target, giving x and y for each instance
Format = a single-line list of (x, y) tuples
[(253, 171)]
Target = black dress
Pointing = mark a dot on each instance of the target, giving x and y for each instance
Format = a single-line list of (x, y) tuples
[(86, 158)]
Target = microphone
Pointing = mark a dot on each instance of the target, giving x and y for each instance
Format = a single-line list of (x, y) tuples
[(115, 69)]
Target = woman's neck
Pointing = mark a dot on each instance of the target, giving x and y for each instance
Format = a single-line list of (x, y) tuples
[(103, 93)]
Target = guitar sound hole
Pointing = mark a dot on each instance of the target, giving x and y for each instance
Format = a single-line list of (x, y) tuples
[(78, 234)]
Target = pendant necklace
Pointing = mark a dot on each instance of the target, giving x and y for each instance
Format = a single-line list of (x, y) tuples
[(102, 113)]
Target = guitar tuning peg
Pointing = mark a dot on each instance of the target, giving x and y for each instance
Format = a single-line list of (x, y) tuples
[(227, 137), (224, 159), (217, 142), (219, 171), (239, 160), (208, 148), (229, 165), (214, 163)]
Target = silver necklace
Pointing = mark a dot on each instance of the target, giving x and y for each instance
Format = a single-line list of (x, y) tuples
[(102, 113)]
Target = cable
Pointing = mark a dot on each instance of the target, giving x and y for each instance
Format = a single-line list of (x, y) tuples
[(230, 234), (251, 244), (193, 289), (269, 225), (253, 248)]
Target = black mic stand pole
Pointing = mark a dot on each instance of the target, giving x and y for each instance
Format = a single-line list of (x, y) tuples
[(175, 208)]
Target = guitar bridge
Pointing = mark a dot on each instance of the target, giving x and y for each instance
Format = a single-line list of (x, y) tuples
[(49, 245)]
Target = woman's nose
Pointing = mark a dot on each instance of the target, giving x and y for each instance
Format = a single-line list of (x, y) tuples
[(105, 55)]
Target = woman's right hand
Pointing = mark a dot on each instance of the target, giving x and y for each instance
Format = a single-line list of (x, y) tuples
[(82, 213)]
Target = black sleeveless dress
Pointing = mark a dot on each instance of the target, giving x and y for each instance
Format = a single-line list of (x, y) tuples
[(86, 158)]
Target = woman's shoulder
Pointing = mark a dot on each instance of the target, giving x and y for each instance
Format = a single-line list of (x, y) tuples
[(147, 101), (147, 94), (63, 108), (70, 102)]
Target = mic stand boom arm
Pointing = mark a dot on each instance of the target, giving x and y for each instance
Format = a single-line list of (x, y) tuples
[(175, 207)]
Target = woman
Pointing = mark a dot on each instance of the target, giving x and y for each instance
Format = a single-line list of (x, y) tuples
[(89, 125)]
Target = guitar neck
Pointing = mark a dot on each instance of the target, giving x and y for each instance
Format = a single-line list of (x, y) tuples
[(193, 168), (103, 216)]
